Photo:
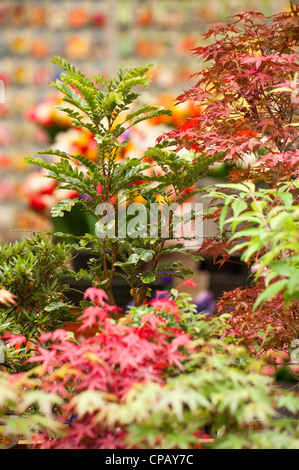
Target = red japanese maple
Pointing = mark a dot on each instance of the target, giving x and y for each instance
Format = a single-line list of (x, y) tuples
[(117, 358), (270, 327), (247, 90), (245, 61)]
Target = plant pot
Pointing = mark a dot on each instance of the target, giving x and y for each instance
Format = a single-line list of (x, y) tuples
[(80, 335), (74, 327), (121, 291)]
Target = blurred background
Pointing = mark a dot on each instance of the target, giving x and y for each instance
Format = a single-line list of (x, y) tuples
[(99, 36)]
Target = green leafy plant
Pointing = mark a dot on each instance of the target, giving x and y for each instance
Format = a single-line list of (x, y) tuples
[(261, 224), (122, 246), (19, 400), (264, 225), (222, 396), (30, 269)]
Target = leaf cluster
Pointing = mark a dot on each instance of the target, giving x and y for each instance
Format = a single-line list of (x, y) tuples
[(245, 109), (30, 269), (264, 227)]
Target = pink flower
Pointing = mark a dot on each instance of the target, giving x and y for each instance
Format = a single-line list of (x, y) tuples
[(37, 183)]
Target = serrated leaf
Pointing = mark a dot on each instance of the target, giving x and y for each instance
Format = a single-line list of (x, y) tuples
[(222, 217)]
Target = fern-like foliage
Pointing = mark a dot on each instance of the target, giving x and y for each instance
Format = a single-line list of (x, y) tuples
[(106, 108)]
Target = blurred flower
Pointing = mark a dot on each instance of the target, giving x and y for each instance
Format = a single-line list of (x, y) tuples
[(46, 115), (181, 112), (42, 193), (37, 183), (205, 302), (76, 142), (256, 268), (6, 297)]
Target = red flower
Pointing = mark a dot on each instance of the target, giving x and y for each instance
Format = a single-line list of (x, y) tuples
[(100, 191), (37, 203)]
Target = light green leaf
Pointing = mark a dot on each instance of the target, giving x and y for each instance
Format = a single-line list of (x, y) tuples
[(238, 206), (270, 291), (61, 206), (222, 217), (148, 279)]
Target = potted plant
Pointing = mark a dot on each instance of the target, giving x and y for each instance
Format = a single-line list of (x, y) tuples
[(125, 246)]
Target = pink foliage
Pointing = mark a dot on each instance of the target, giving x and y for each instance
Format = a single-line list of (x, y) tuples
[(118, 357), (12, 340), (241, 112)]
